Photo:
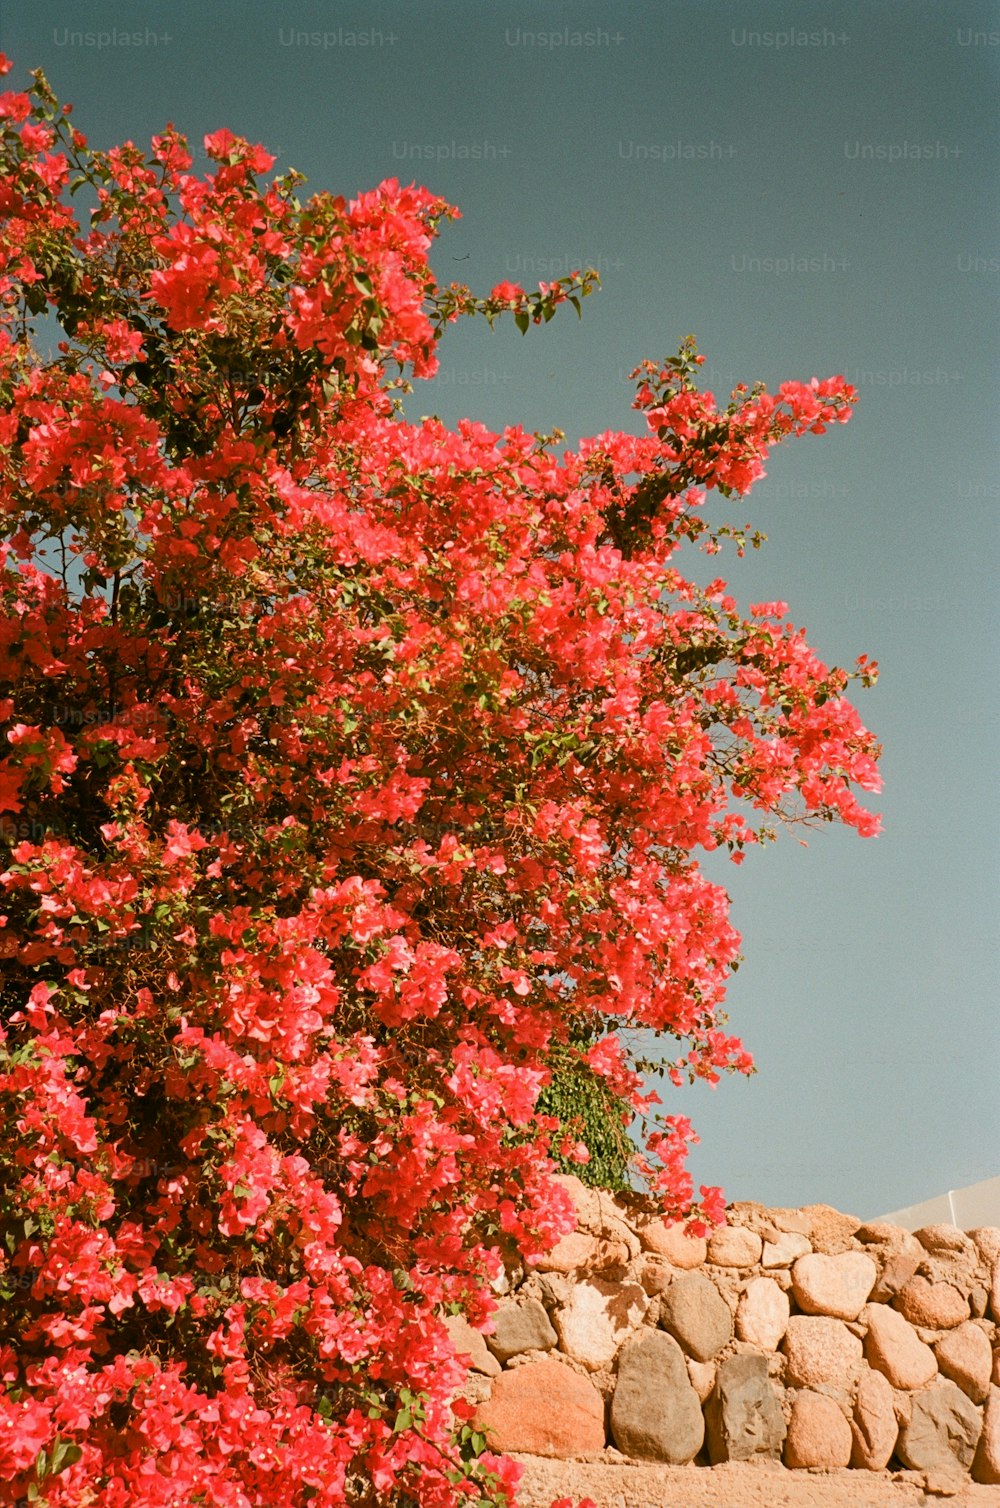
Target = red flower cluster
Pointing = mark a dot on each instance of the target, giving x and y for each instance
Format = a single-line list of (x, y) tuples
[(347, 765)]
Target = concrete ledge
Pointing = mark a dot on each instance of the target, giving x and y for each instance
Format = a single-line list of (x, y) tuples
[(637, 1484)]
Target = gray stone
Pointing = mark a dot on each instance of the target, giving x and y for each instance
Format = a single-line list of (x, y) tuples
[(694, 1312), (942, 1432), (655, 1412), (743, 1417), (471, 1343), (520, 1327), (477, 1387)]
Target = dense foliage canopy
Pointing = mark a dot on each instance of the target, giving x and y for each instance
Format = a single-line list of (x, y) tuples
[(352, 769)]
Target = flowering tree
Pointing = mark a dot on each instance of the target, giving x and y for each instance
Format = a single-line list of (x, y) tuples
[(351, 769)]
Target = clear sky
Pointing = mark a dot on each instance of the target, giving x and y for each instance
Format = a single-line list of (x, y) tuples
[(810, 189)]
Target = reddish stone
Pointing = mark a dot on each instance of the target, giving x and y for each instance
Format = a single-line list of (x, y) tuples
[(735, 1246), (987, 1239), (818, 1433), (986, 1466), (543, 1408), (670, 1241), (900, 1264), (821, 1352), (881, 1232), (892, 1347), (569, 1253), (838, 1286), (654, 1273), (965, 1356), (875, 1427), (830, 1230), (942, 1237), (934, 1306)]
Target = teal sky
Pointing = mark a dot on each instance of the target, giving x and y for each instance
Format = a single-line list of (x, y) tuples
[(810, 189)]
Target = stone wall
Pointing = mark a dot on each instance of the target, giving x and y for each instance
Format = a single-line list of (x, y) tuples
[(800, 1336)]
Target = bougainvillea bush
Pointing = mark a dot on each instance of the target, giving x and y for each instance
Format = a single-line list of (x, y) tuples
[(352, 770)]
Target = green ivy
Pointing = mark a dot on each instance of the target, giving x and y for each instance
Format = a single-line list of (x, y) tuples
[(591, 1113)]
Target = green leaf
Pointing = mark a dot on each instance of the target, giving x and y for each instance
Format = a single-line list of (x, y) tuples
[(64, 1453), (522, 320)]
